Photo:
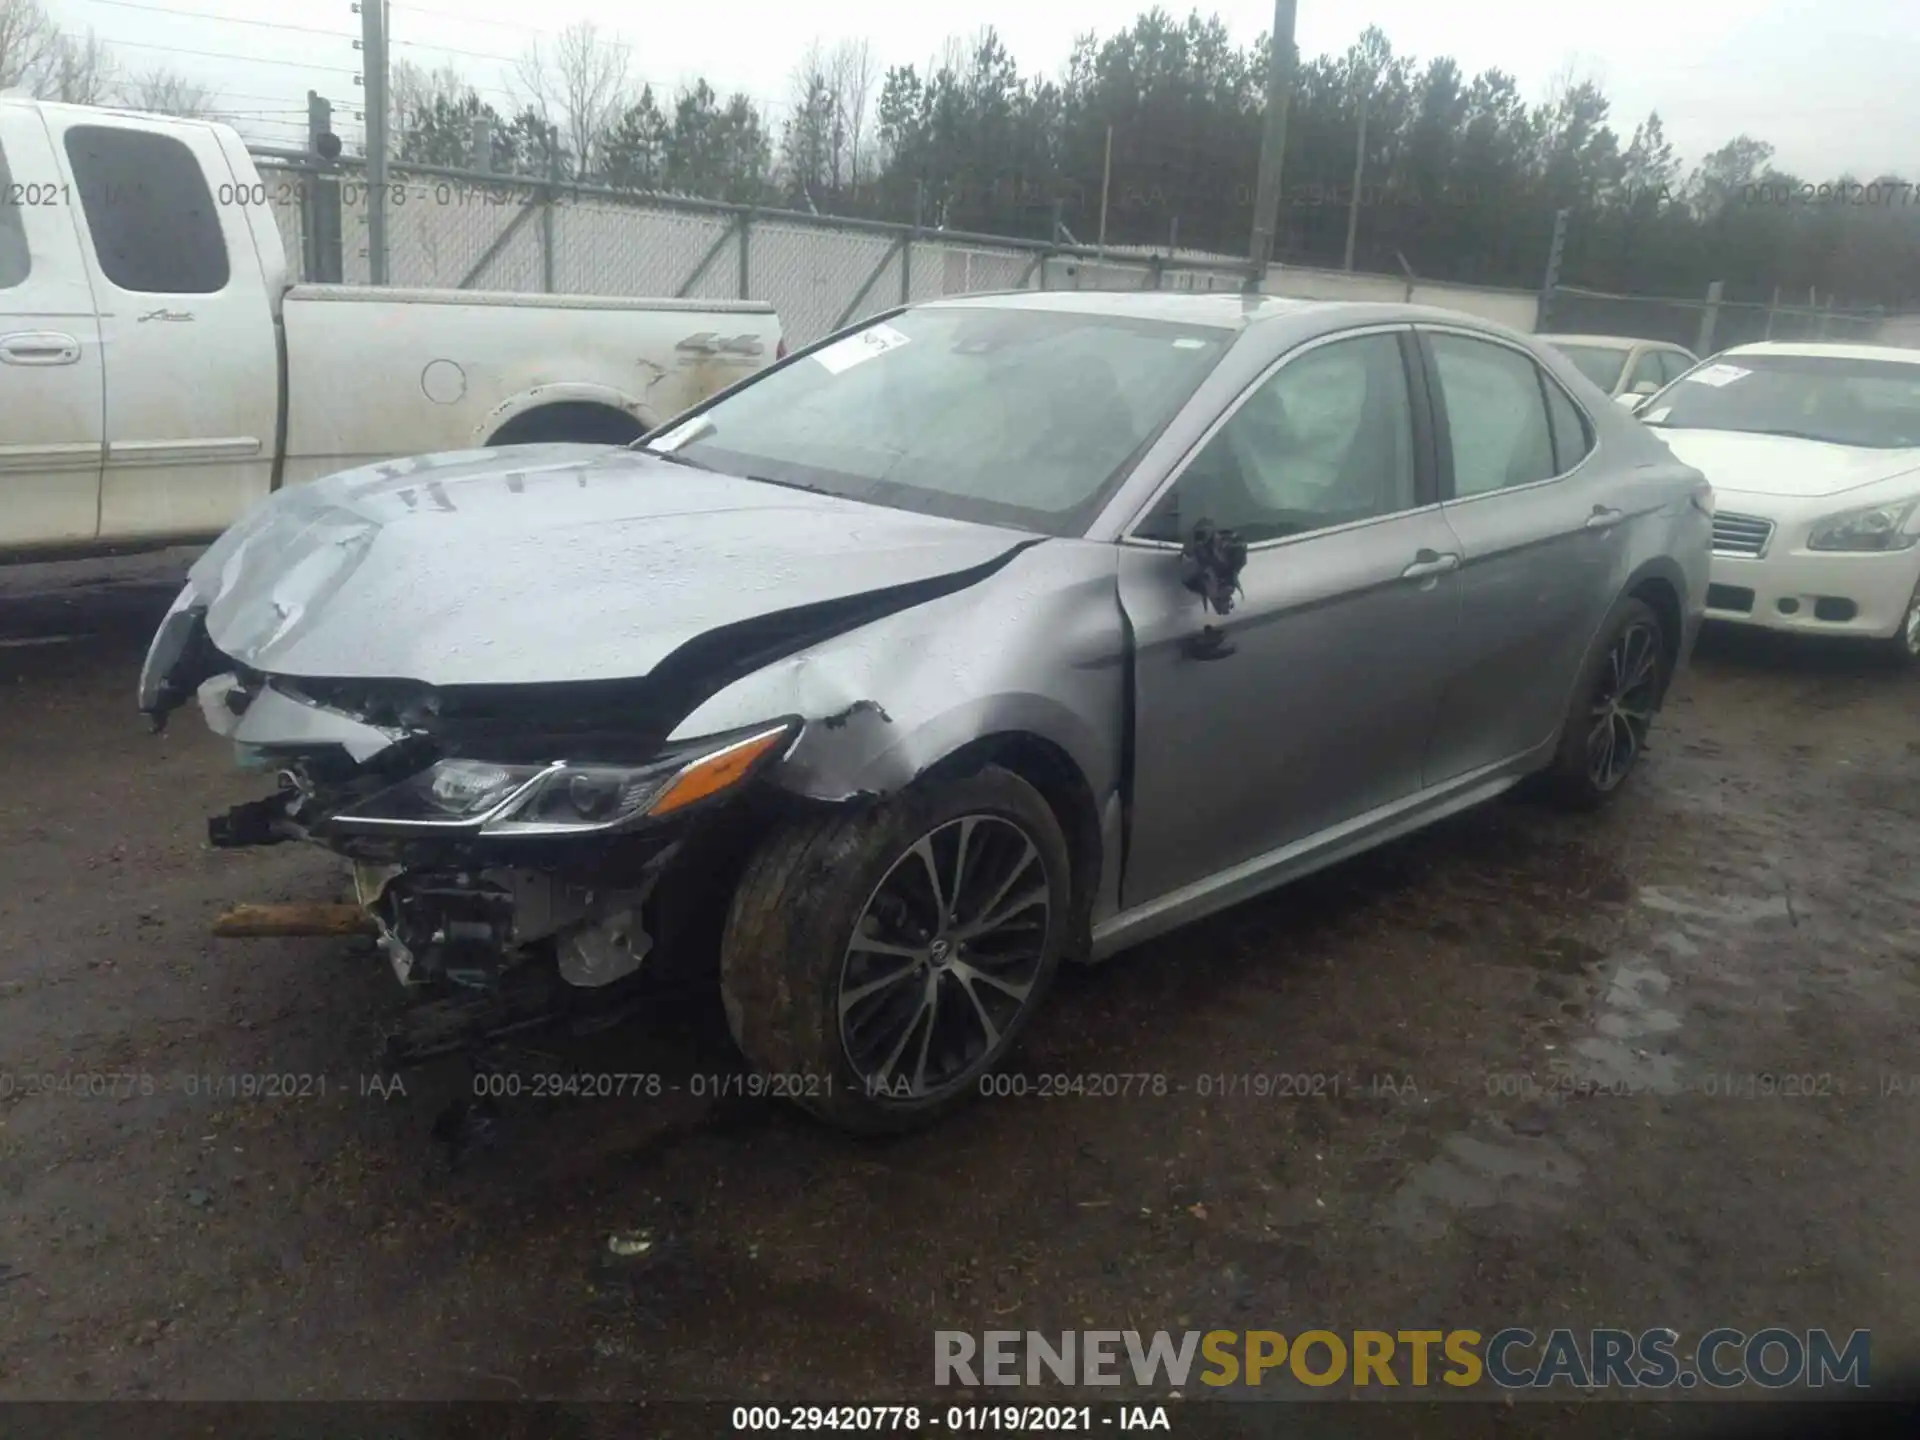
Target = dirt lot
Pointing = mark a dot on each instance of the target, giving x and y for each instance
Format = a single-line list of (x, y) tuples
[(1749, 910)]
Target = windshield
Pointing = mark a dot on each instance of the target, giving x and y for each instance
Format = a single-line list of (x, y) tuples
[(1870, 403), (1599, 363), (1017, 417)]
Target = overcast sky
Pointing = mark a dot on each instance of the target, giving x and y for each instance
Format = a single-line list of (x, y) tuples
[(1830, 83)]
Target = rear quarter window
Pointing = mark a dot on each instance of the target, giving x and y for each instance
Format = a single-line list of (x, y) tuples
[(155, 228)]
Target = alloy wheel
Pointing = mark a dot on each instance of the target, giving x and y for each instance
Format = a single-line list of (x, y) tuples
[(1911, 631), (1623, 705), (944, 958)]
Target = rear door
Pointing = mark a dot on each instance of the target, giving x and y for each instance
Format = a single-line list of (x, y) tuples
[(192, 379), (1312, 702), (51, 394), (1542, 537)]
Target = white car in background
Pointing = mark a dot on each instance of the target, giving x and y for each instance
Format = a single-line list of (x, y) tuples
[(1813, 452), (1628, 370)]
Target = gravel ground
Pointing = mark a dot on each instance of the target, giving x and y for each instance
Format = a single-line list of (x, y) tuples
[(1749, 909)]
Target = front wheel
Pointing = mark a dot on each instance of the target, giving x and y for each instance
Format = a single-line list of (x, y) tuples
[(1902, 648), (879, 963), (1613, 707)]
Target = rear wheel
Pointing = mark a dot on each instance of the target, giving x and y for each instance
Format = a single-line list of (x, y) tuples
[(878, 964), (1613, 708), (573, 421)]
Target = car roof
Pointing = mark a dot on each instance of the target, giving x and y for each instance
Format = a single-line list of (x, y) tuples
[(1221, 309), (1611, 342), (1815, 351)]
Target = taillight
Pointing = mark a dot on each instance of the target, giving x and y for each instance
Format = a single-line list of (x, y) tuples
[(780, 350)]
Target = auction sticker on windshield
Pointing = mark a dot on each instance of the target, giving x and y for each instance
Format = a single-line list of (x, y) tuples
[(858, 349), (1717, 375)]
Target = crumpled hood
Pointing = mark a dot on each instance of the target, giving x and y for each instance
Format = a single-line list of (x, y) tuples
[(1783, 464), (544, 563)]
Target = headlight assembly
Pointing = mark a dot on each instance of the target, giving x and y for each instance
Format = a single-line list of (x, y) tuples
[(1877, 527), (564, 798)]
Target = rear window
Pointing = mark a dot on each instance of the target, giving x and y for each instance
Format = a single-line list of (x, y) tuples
[(1600, 364), (154, 225)]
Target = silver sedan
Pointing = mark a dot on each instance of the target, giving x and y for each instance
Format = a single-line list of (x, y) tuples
[(993, 632)]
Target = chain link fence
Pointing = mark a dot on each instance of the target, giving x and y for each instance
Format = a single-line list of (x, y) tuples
[(1705, 325), (455, 229), (450, 229)]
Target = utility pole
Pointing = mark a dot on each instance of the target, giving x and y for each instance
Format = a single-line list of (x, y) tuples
[(480, 143), (373, 40), (1106, 180), (1359, 168), (321, 257), (1703, 342), (1273, 144), (1551, 281)]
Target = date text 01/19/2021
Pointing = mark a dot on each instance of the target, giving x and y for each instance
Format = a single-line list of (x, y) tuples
[(953, 1419), (1279, 1085)]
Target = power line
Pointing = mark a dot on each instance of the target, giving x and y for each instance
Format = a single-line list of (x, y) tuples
[(763, 102), (244, 59), (218, 19)]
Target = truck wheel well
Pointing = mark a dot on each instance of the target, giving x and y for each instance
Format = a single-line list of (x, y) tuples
[(1051, 771), (580, 421)]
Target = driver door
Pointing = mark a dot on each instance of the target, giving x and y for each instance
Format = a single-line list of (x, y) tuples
[(1317, 704)]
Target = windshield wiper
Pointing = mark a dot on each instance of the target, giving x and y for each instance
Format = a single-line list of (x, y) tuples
[(790, 484), (678, 459)]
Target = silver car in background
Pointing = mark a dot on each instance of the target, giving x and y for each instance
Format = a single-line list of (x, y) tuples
[(993, 632)]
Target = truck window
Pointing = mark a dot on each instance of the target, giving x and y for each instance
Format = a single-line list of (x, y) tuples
[(153, 219), (15, 261)]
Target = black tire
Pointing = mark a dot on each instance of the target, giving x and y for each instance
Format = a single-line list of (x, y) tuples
[(1902, 648), (790, 947), (1578, 777)]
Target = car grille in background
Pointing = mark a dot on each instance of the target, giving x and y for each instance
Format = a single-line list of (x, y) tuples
[(1740, 534)]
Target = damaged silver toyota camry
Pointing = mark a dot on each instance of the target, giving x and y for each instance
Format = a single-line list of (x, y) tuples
[(993, 632)]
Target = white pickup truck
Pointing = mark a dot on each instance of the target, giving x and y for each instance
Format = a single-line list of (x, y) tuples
[(158, 374)]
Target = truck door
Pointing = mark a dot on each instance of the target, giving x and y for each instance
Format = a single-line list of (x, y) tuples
[(192, 376), (50, 371)]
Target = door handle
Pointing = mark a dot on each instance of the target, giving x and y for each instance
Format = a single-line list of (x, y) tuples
[(39, 347), (1430, 562), (1604, 517)]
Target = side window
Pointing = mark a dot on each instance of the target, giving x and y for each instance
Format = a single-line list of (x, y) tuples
[(16, 262), (1571, 440), (1327, 439), (1676, 363), (1496, 416), (1647, 370), (153, 220)]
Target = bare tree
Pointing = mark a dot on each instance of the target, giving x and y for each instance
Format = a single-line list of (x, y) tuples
[(810, 141), (855, 73), (161, 91), (78, 71), (414, 91), (579, 85), (28, 38)]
